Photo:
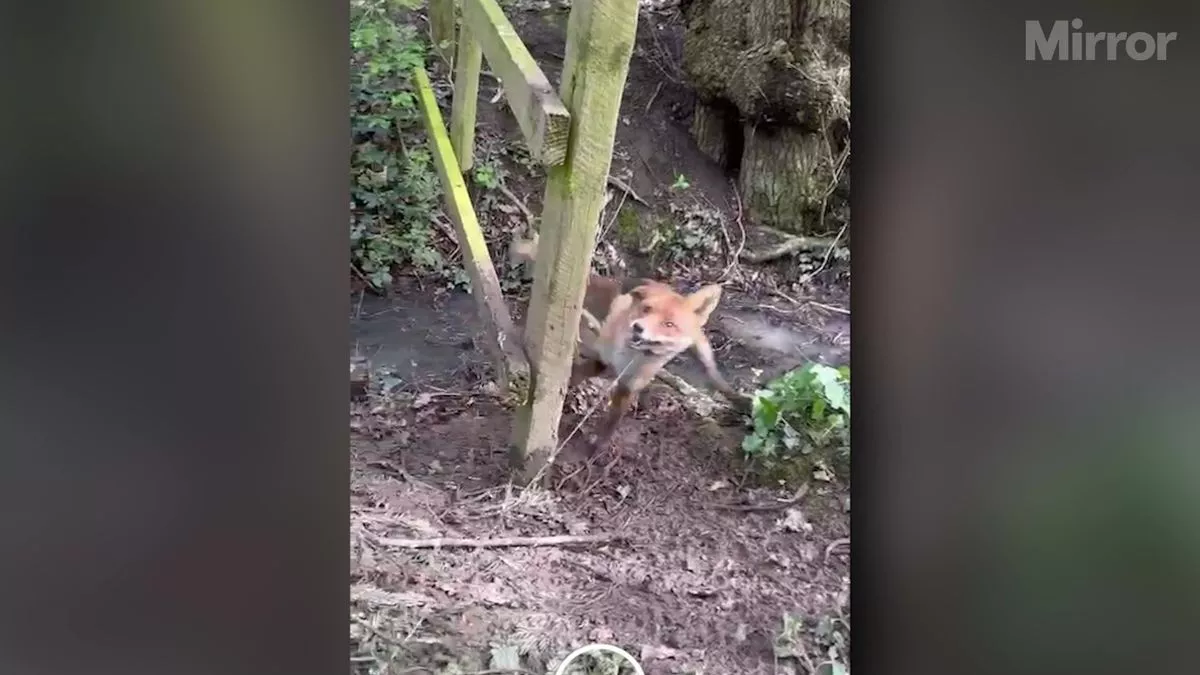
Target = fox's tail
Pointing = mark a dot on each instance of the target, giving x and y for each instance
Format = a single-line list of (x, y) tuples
[(523, 249)]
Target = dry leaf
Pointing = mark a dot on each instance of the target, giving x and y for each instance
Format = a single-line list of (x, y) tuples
[(651, 653)]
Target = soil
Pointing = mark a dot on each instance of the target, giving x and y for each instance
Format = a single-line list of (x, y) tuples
[(697, 585)]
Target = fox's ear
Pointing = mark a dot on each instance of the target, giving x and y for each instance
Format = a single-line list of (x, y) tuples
[(639, 293), (704, 301)]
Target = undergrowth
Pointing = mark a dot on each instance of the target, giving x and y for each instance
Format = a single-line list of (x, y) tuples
[(802, 424), (828, 636), (393, 186)]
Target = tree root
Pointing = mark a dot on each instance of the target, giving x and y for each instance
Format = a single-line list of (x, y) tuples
[(787, 245)]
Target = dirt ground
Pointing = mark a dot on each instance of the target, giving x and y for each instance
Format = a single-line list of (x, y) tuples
[(701, 584), (708, 575)]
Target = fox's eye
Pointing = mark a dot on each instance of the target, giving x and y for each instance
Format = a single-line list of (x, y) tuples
[(668, 324)]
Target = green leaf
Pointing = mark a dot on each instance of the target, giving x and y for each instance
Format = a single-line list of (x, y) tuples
[(818, 409), (505, 658), (766, 412), (752, 444), (833, 387)]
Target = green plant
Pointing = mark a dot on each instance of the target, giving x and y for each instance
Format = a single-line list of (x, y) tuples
[(393, 187), (681, 182), (803, 418), (489, 175), (826, 638), (691, 234)]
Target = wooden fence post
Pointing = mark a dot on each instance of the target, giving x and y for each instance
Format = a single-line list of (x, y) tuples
[(507, 357), (600, 38), (466, 97), (442, 17)]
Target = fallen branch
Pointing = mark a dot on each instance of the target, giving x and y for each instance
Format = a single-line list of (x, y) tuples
[(773, 506), (834, 545), (529, 219), (446, 229), (831, 308), (500, 542), (654, 95), (624, 187), (701, 403)]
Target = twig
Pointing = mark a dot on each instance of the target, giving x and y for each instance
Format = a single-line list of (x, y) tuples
[(499, 542), (624, 187), (831, 308), (746, 508), (835, 544), (376, 632), (358, 273), (608, 228), (646, 163), (518, 203), (733, 259), (778, 293), (654, 95), (828, 252), (446, 230)]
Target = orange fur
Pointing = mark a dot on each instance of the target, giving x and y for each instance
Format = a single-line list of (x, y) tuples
[(643, 326)]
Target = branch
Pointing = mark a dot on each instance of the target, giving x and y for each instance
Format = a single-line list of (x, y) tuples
[(624, 187), (500, 542)]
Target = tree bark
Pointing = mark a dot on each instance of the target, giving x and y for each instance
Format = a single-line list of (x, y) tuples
[(709, 129), (785, 175), (781, 68)]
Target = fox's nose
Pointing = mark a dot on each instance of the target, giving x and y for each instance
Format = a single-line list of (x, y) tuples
[(637, 329)]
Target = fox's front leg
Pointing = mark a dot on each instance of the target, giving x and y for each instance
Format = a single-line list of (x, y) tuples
[(704, 352), (618, 405)]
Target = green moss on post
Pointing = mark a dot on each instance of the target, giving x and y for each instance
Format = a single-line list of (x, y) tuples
[(600, 37)]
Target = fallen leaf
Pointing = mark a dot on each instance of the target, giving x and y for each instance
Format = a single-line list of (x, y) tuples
[(652, 652), (505, 659), (422, 401), (793, 521)]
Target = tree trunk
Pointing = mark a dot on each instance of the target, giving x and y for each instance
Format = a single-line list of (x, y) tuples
[(718, 133), (772, 79), (784, 178)]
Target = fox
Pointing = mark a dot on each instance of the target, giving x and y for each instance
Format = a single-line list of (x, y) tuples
[(640, 326)]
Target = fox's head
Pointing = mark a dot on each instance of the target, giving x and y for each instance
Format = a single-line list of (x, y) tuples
[(661, 321)]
